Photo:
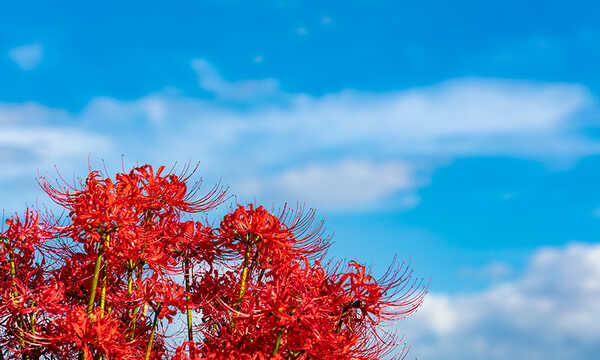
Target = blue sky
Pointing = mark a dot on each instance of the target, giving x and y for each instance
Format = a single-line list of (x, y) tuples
[(461, 135)]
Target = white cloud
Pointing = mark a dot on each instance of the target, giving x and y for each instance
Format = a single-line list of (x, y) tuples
[(276, 145), (458, 116), (52, 143), (29, 113), (27, 57), (348, 184), (34, 136), (210, 80), (550, 312)]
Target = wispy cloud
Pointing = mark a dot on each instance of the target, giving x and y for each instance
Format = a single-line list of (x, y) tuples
[(27, 57), (348, 184), (344, 150), (210, 80), (549, 312), (35, 138)]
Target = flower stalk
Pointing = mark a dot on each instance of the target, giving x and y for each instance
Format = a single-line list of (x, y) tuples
[(151, 340), (90, 308), (187, 270), (245, 271)]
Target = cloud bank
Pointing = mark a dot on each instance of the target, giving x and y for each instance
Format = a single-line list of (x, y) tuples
[(549, 312), (349, 150)]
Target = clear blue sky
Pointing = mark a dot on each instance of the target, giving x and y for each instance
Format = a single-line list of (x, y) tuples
[(463, 135)]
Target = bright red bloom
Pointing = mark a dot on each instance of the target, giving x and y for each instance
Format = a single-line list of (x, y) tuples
[(128, 263), (256, 234)]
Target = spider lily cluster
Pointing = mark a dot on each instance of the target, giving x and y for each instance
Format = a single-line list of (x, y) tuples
[(107, 279)]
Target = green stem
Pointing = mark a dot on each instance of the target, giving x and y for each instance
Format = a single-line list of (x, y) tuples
[(130, 278), (136, 312), (149, 348), (278, 342), (103, 297), (281, 331), (103, 293), (96, 276), (295, 354), (243, 283), (186, 269), (133, 323)]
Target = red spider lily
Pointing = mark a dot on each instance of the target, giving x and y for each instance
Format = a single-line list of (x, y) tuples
[(268, 241), (171, 192), (113, 279), (375, 298)]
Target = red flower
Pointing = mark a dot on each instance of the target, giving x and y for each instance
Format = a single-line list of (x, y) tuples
[(110, 279)]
